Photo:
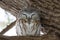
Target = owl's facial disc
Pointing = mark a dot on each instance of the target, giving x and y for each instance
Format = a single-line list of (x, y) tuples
[(29, 17)]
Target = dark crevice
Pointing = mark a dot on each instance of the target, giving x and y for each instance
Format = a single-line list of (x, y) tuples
[(57, 34), (0, 0)]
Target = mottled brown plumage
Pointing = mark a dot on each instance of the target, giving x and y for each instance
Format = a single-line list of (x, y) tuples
[(29, 23)]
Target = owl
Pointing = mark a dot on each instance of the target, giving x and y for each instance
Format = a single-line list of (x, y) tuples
[(28, 23)]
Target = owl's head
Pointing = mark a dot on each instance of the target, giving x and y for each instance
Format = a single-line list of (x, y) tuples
[(30, 14)]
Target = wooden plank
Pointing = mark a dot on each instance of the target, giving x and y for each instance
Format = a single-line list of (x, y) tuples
[(8, 27)]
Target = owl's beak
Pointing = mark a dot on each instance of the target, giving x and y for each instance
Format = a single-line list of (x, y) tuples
[(29, 20)]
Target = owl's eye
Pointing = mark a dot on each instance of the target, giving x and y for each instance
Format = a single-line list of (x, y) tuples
[(35, 17), (23, 16)]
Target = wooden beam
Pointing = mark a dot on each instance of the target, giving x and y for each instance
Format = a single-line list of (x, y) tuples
[(44, 37), (8, 27)]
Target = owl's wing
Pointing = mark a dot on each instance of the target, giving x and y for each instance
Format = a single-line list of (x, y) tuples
[(18, 30), (42, 31)]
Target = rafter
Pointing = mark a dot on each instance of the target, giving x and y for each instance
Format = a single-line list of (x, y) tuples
[(8, 27)]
